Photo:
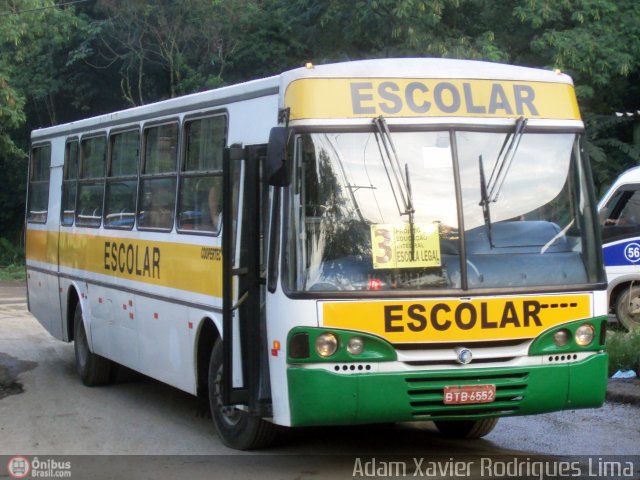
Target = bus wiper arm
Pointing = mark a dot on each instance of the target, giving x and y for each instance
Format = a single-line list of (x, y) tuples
[(504, 160), (484, 201), (410, 212), (400, 180)]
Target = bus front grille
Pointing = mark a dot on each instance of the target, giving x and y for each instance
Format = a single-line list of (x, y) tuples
[(426, 395)]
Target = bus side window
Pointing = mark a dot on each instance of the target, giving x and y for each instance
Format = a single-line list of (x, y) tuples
[(200, 197), (122, 181), (93, 156), (69, 183), (158, 177), (621, 215), (38, 202)]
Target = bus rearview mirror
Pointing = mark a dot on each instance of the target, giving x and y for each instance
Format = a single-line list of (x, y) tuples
[(277, 168)]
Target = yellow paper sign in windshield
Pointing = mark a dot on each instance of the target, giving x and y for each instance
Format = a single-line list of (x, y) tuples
[(391, 246)]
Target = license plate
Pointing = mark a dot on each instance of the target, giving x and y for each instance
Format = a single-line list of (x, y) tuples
[(464, 394)]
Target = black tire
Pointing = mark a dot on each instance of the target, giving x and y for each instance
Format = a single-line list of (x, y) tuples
[(93, 369), (628, 308), (236, 428), (466, 428)]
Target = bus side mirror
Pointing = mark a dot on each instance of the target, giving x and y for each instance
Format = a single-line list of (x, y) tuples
[(276, 171)]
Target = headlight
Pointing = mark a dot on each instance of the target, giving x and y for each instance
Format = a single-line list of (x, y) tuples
[(585, 334), (326, 344), (355, 345), (561, 337)]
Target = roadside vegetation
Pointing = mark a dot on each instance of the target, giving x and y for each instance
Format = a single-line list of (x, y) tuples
[(12, 273), (11, 261), (624, 350)]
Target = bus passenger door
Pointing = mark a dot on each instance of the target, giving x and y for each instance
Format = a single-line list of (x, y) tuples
[(245, 366), (42, 242)]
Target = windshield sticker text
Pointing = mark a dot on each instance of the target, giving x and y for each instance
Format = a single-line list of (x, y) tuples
[(392, 246)]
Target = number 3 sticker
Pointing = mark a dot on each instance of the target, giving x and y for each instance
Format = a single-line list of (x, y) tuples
[(632, 252), (383, 240)]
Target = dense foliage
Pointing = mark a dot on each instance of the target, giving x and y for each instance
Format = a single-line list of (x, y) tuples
[(62, 60)]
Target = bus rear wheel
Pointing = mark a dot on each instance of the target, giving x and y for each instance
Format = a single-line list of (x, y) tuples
[(466, 428), (236, 428), (93, 369), (628, 308)]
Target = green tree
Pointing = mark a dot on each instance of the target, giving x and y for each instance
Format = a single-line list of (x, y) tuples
[(37, 87), (35, 42), (165, 48), (12, 162), (368, 28), (598, 43), (12, 158)]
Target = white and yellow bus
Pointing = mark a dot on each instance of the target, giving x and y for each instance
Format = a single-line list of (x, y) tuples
[(374, 241)]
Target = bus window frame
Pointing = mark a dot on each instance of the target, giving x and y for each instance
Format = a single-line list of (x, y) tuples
[(151, 176), (31, 182), (184, 174), (91, 180), (110, 178), (74, 181)]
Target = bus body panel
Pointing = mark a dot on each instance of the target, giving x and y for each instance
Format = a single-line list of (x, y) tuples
[(138, 315), (44, 249), (321, 397), (42, 282), (301, 312)]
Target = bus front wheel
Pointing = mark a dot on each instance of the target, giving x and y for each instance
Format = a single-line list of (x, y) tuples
[(93, 369), (466, 428), (236, 428), (628, 308)]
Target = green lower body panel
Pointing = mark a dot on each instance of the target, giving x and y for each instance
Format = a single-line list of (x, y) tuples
[(320, 397)]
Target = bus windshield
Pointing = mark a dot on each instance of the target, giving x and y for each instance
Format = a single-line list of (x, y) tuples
[(477, 219)]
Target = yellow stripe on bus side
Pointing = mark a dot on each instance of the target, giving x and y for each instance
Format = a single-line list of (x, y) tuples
[(36, 246), (192, 268), (448, 320), (323, 98)]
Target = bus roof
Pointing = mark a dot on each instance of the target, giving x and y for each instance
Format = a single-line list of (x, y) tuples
[(192, 102), (383, 68), (426, 68)]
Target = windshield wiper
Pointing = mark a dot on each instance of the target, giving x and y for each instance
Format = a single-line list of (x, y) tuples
[(490, 191), (504, 160), (400, 180), (400, 183), (484, 201)]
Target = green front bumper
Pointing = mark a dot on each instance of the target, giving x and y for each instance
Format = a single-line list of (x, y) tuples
[(320, 397)]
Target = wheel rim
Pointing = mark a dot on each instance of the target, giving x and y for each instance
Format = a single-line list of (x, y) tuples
[(634, 308), (230, 415), (629, 309)]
